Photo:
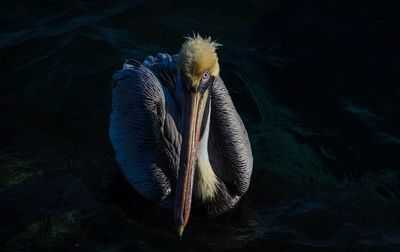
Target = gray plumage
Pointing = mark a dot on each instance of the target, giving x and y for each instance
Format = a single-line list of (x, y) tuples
[(146, 133)]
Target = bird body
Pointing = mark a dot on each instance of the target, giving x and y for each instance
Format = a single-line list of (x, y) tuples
[(176, 133)]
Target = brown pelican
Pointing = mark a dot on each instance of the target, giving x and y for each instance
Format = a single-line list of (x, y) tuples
[(176, 133)]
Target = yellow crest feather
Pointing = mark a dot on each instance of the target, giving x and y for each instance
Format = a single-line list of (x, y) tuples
[(197, 55)]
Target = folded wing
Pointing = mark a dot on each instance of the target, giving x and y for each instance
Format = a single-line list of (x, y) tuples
[(136, 130), (229, 150)]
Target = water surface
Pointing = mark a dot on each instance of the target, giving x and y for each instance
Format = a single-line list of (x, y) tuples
[(315, 83)]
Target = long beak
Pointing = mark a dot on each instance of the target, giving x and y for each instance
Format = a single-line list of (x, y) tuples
[(192, 121)]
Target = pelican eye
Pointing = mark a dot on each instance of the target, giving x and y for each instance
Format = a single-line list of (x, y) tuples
[(205, 80), (206, 76)]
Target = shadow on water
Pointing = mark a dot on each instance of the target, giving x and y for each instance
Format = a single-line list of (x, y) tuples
[(315, 83)]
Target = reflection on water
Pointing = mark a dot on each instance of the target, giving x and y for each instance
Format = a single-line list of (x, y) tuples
[(315, 85)]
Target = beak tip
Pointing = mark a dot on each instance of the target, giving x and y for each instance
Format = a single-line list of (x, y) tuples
[(180, 231)]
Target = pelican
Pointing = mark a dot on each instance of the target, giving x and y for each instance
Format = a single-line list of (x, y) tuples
[(177, 136)]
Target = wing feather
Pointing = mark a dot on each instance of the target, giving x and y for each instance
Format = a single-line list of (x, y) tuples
[(229, 145), (137, 117)]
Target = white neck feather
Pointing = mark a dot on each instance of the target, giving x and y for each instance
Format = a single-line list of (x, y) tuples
[(207, 181)]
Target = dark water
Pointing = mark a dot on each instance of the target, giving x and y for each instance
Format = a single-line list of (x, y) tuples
[(316, 83)]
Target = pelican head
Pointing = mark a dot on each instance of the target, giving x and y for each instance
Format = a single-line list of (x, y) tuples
[(198, 55), (198, 67)]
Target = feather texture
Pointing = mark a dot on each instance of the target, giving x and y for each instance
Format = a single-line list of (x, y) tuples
[(137, 117)]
